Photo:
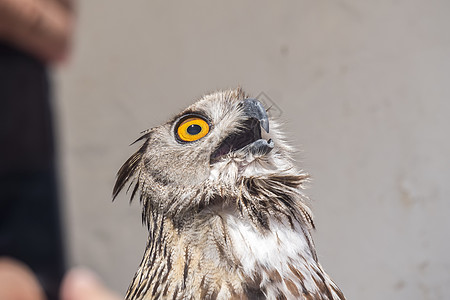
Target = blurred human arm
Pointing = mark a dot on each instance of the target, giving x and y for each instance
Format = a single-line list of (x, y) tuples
[(42, 28)]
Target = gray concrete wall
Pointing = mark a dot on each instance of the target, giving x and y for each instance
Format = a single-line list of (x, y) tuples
[(364, 90)]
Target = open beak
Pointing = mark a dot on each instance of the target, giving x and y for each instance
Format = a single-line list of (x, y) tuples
[(249, 139)]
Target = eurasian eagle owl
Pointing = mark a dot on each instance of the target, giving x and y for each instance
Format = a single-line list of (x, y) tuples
[(224, 207)]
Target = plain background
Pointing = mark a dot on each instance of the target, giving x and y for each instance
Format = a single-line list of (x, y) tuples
[(363, 88)]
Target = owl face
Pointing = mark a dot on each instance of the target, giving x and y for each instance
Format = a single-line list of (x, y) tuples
[(205, 150)]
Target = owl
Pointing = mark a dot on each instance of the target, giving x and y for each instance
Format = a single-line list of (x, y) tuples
[(225, 208)]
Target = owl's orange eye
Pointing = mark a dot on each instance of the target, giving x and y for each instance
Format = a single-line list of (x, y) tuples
[(192, 129)]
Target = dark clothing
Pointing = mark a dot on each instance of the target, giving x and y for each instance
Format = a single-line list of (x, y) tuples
[(26, 141), (30, 228)]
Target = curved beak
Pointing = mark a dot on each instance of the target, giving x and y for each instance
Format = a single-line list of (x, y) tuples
[(254, 109)]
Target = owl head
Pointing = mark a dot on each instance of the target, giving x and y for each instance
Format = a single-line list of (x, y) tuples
[(222, 151)]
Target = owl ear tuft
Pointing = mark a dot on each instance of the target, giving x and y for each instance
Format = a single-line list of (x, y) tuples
[(128, 170)]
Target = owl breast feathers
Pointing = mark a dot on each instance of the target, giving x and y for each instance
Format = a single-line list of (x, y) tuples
[(224, 206)]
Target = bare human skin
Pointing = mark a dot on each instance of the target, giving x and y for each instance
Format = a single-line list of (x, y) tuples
[(42, 28), (17, 281), (83, 284)]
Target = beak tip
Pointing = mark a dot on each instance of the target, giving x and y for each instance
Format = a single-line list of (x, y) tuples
[(265, 124)]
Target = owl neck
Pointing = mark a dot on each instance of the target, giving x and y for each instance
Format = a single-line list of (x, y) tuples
[(222, 254)]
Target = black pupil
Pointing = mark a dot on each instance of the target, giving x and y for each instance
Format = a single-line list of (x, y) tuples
[(194, 129)]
